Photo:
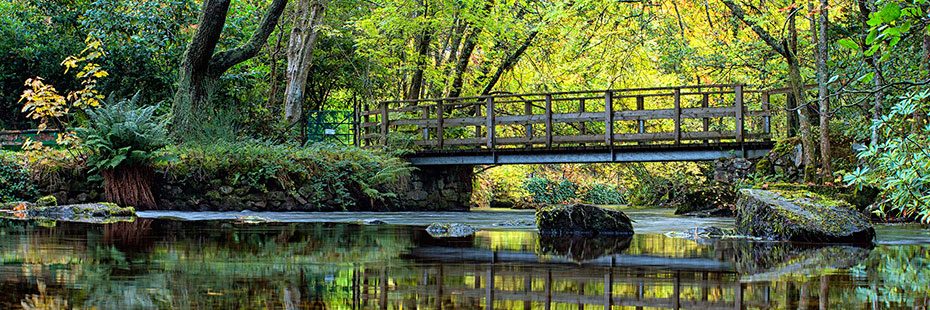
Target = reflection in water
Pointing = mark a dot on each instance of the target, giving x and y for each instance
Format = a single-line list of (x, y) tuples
[(172, 264)]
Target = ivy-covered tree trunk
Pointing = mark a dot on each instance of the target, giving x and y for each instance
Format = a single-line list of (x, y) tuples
[(201, 68), (307, 21), (823, 94)]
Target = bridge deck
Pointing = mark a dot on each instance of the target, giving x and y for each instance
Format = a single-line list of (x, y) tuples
[(684, 123)]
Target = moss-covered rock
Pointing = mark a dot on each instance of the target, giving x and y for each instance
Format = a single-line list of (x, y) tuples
[(716, 200), (800, 216), (581, 219), (860, 198), (89, 213), (47, 201)]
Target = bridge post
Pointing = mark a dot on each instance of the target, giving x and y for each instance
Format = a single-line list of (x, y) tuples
[(548, 121), (609, 118), (767, 119), (440, 126), (490, 122), (678, 116), (739, 113), (705, 103), (641, 105), (384, 123), (425, 121), (528, 111)]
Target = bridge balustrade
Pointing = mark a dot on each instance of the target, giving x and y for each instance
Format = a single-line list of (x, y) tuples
[(606, 118)]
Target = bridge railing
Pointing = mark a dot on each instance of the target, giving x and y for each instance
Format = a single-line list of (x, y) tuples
[(603, 118)]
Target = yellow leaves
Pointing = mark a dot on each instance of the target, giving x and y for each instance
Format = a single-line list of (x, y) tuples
[(44, 103)]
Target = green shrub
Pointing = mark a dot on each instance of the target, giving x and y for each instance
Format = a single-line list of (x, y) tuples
[(543, 190), (327, 174), (603, 194), (15, 183)]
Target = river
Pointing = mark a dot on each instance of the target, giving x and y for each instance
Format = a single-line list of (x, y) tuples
[(195, 260)]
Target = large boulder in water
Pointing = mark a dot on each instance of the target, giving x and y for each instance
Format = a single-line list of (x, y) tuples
[(800, 216), (581, 219)]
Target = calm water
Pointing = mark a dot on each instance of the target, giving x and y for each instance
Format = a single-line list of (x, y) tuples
[(328, 261)]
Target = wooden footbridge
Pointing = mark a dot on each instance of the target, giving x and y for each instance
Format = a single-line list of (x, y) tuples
[(684, 123)]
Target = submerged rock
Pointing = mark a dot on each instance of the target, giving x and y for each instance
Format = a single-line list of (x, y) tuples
[(516, 223), (447, 230), (252, 219), (800, 216), (373, 222), (582, 219), (710, 232)]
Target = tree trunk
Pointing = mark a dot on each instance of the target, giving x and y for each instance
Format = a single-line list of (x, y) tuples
[(416, 80), (509, 63), (793, 101), (307, 19), (471, 41), (823, 95), (201, 68)]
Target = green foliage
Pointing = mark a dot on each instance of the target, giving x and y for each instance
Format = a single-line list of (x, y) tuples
[(121, 134), (15, 183), (603, 194), (548, 191), (900, 163), (329, 174)]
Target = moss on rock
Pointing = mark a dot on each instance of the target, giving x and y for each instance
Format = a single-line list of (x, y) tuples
[(800, 216), (582, 219), (47, 201)]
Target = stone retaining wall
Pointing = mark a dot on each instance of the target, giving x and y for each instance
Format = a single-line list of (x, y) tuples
[(444, 188)]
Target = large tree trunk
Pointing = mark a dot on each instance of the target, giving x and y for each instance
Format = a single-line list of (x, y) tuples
[(823, 97), (509, 63), (788, 50), (416, 80), (307, 19), (201, 68), (471, 41)]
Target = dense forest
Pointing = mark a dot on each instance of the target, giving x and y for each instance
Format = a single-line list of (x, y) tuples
[(250, 70)]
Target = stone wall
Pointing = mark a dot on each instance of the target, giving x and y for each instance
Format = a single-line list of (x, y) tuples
[(428, 188), (731, 170)]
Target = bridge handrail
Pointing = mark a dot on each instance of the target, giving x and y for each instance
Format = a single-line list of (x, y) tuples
[(435, 116)]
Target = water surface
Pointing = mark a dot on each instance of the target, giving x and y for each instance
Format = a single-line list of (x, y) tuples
[(330, 261)]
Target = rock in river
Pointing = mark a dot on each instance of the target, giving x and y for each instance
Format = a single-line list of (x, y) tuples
[(582, 219), (453, 230), (800, 216)]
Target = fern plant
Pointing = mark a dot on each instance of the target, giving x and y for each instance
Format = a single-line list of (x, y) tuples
[(124, 140)]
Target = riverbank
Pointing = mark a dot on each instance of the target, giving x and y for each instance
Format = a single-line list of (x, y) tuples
[(250, 176)]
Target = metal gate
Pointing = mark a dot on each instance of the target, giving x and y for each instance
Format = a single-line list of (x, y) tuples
[(331, 126)]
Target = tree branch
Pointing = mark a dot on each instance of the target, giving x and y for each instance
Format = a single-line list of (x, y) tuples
[(226, 59), (772, 42)]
